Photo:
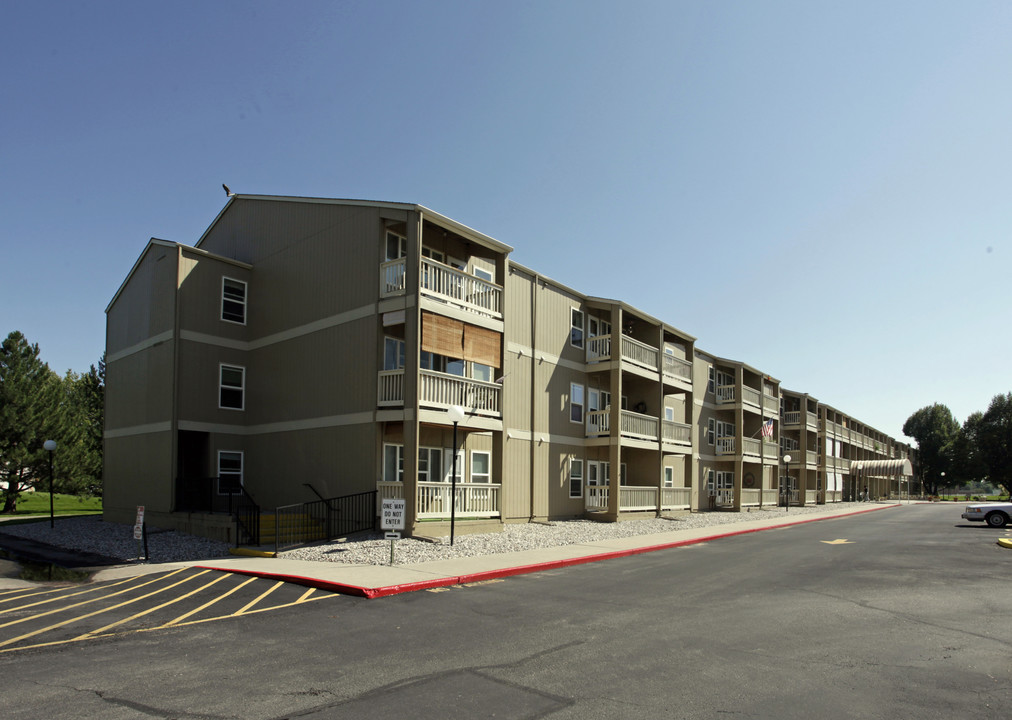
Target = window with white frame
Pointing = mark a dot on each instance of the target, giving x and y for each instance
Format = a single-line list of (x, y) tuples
[(233, 300), (481, 466), (669, 477), (575, 478), (436, 255), (711, 383), (430, 464), (481, 372), (576, 331), (708, 474), (480, 272), (711, 431), (393, 462), (669, 414), (393, 353), (231, 387), (597, 327), (397, 246), (229, 471), (724, 378), (576, 402)]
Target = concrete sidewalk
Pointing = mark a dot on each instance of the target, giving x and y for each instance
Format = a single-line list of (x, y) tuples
[(372, 581)]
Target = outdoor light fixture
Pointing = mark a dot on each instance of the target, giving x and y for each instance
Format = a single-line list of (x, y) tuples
[(787, 484), (49, 446), (456, 415)]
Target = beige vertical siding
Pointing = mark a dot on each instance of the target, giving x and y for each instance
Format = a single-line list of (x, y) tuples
[(145, 306)]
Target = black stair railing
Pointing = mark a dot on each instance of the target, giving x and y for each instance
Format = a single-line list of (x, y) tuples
[(324, 519)]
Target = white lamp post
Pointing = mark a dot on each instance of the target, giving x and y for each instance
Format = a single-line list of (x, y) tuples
[(456, 415), (787, 484), (49, 446)]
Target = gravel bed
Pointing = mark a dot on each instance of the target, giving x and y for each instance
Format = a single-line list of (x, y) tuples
[(374, 550), (115, 540)]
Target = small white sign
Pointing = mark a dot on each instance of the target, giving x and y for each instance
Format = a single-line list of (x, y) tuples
[(138, 532), (392, 511), (391, 535), (140, 515)]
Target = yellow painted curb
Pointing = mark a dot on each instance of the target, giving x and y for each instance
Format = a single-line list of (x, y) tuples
[(1005, 542), (247, 552)]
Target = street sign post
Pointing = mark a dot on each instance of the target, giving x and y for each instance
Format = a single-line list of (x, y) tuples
[(392, 511)]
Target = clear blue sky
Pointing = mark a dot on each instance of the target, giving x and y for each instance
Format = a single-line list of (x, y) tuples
[(822, 190)]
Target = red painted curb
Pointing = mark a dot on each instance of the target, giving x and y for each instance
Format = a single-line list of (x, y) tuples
[(387, 590)]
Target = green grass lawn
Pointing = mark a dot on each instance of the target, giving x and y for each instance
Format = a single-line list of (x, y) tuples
[(37, 503)]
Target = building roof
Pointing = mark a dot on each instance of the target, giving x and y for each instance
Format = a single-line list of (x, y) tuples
[(432, 215)]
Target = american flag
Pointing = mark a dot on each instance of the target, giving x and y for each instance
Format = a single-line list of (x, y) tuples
[(768, 429)]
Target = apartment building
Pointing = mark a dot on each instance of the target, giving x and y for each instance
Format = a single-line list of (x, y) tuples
[(312, 348)]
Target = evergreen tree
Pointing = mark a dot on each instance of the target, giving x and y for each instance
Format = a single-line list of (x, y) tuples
[(30, 407)]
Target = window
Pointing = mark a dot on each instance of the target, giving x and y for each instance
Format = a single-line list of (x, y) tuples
[(724, 378), (393, 463), (669, 414), (231, 387), (481, 372), (432, 254), (669, 477), (229, 472), (711, 431), (393, 353), (711, 383), (576, 402), (233, 300), (448, 463), (481, 466), (397, 246), (576, 332), (575, 478), (484, 274), (430, 464), (708, 474)]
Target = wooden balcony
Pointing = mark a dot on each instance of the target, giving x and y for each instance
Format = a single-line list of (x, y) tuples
[(445, 284), (432, 499), (638, 498), (637, 426), (441, 391)]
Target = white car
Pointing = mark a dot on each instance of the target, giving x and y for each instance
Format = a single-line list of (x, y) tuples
[(995, 514)]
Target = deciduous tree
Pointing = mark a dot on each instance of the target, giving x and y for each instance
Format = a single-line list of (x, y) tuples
[(935, 430)]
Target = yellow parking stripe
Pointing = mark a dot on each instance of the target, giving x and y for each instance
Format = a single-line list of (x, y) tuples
[(209, 603), (86, 602), (264, 594), (97, 612), (305, 595), (153, 609), (63, 597)]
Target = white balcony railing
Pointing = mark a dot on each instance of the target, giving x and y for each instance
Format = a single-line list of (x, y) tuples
[(811, 497), (637, 497), (751, 446), (640, 427), (725, 446), (441, 390), (677, 368), (598, 423), (639, 353), (769, 497), (432, 499), (676, 433), (599, 348), (446, 284), (770, 450), (472, 500), (725, 394), (811, 458), (792, 417), (676, 498), (750, 497), (751, 397)]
